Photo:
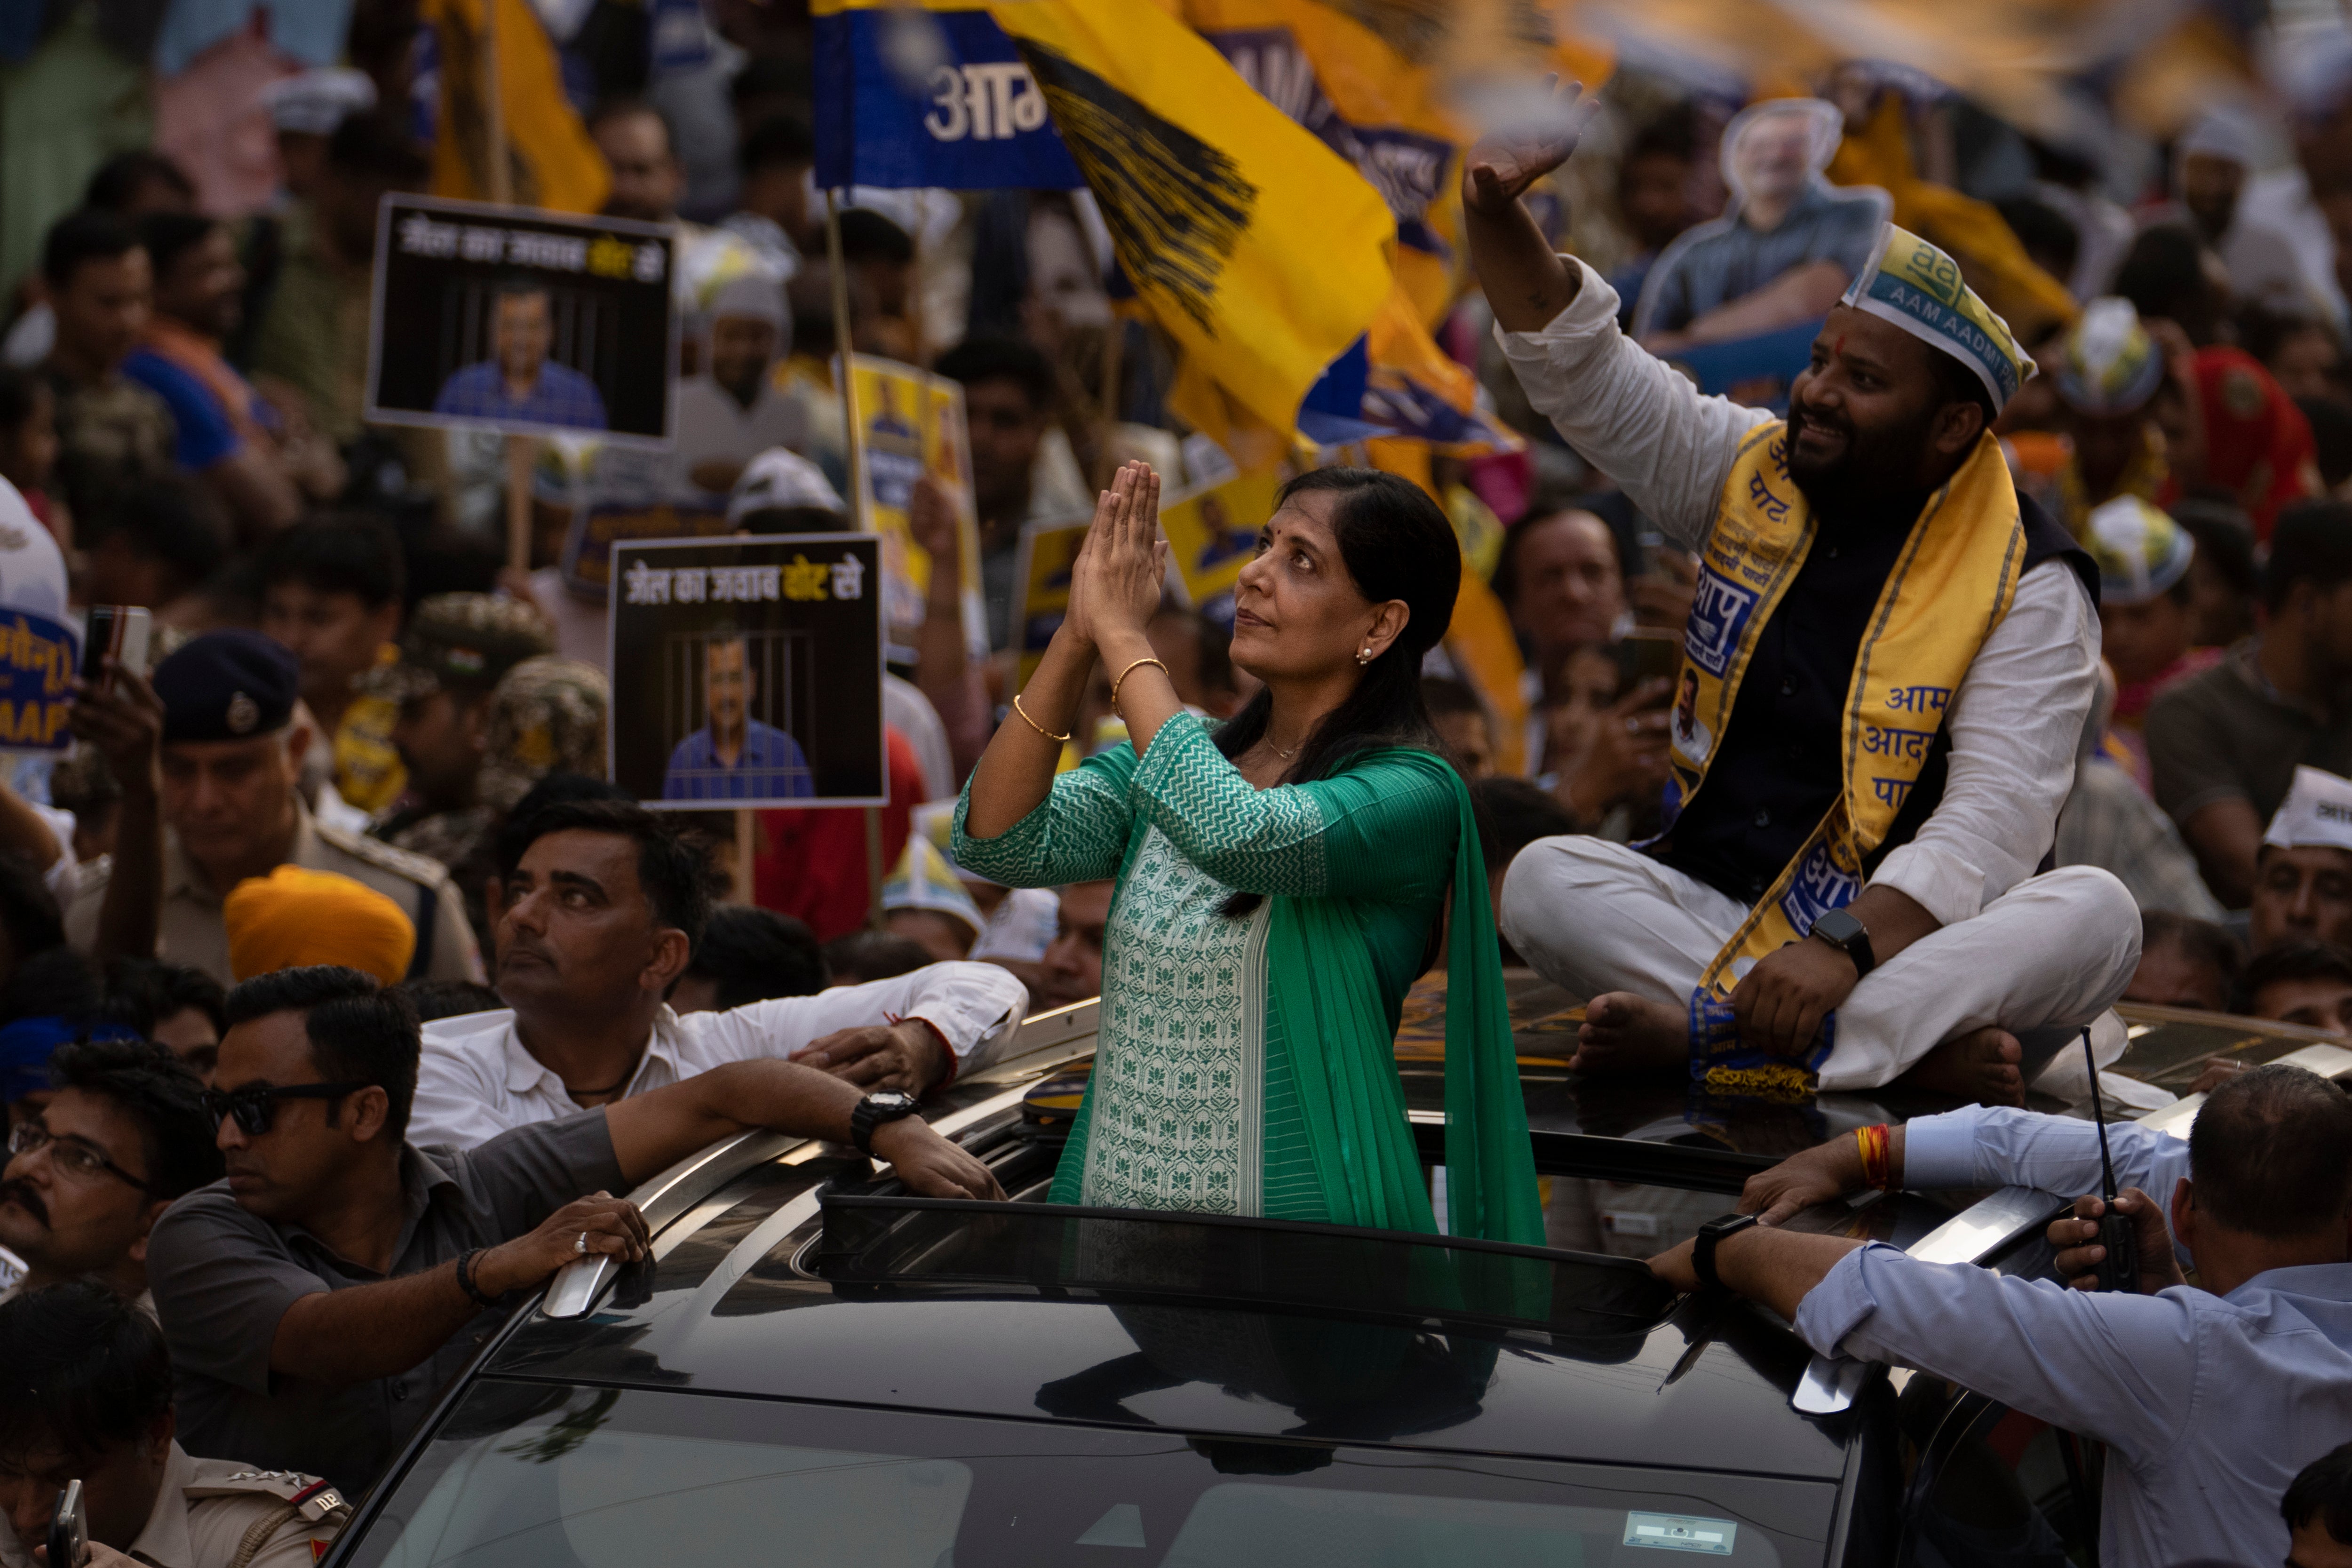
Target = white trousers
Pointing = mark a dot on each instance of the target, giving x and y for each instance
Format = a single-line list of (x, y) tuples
[(2057, 949)]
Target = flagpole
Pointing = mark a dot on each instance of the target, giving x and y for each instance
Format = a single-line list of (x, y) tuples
[(498, 184), (841, 344)]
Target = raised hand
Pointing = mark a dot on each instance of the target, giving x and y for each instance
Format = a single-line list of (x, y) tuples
[(1116, 584), (1513, 155)]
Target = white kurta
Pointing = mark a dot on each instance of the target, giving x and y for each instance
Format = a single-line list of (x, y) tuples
[(2014, 724)]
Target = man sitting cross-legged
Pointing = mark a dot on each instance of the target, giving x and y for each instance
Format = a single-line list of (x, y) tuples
[(317, 1298), (597, 922), (1887, 669)]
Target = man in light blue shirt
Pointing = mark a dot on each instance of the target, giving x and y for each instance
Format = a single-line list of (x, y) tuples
[(735, 756), (2210, 1400), (522, 384)]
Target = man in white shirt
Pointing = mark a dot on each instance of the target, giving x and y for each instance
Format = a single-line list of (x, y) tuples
[(596, 923), (1886, 673)]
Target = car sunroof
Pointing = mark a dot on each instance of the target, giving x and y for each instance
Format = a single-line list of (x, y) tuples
[(885, 1241)]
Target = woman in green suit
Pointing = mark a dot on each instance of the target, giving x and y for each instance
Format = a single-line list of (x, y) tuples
[(1282, 878)]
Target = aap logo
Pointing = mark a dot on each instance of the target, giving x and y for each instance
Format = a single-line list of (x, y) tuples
[(1719, 612)]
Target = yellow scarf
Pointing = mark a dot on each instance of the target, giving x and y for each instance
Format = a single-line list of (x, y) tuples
[(1948, 590)]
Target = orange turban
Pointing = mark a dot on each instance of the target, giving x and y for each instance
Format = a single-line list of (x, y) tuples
[(294, 917)]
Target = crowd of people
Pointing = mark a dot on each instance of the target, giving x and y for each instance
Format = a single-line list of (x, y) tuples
[(1972, 656)]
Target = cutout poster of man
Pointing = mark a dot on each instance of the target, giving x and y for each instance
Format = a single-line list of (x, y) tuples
[(748, 671), (521, 320)]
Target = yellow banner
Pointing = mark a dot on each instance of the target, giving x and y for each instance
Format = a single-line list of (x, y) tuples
[(1049, 551), (910, 424), (1212, 532), (1260, 251)]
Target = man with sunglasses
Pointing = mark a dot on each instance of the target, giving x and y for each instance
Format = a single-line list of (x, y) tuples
[(318, 1299), (123, 1133)]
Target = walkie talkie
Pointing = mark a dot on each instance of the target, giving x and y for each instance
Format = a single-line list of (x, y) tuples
[(2119, 1269)]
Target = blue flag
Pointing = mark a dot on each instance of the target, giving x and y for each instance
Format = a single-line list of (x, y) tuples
[(935, 96)]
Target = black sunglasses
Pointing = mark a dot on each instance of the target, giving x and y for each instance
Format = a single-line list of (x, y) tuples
[(256, 1105)]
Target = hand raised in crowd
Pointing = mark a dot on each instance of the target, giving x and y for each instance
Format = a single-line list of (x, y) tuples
[(931, 1165), (2077, 1238), (1521, 148), (931, 522), (122, 718), (1663, 598), (597, 1226), (907, 1056), (1116, 586), (1625, 757), (1817, 1176)]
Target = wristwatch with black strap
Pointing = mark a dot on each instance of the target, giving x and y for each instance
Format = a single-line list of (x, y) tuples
[(1710, 1237), (875, 1110), (1842, 931)]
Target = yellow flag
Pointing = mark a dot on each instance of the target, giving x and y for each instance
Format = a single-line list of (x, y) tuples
[(551, 162), (1379, 82), (1257, 249)]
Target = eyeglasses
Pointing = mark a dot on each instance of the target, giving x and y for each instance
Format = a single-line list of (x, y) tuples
[(256, 1105), (76, 1158)]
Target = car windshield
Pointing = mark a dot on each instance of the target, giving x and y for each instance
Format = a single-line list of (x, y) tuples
[(540, 1475)]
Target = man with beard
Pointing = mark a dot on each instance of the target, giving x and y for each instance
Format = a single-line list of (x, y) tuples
[(1894, 659), (124, 1132)]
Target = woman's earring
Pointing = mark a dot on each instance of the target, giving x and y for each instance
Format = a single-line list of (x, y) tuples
[(1364, 655)]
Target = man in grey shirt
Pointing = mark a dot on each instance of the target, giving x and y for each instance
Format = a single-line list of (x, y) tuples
[(318, 1298), (1785, 251)]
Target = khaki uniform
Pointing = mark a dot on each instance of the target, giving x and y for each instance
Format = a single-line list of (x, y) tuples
[(192, 931), (209, 1508)]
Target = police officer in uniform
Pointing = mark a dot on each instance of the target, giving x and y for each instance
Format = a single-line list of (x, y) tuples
[(230, 756), (89, 1398)]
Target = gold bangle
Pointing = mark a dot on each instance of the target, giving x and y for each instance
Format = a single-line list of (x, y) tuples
[(1063, 739), (1130, 670)]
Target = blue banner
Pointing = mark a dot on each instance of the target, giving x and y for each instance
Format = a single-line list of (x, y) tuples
[(37, 658), (974, 122)]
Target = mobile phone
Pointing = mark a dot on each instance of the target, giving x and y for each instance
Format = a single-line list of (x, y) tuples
[(115, 631), (1647, 653), (68, 1530)]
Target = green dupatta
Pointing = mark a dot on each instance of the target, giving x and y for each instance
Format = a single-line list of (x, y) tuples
[(1350, 1097)]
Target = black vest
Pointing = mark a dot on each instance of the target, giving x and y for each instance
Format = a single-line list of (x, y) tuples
[(1777, 769)]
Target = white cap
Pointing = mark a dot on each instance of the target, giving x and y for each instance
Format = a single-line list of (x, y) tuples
[(779, 478), (314, 102), (2317, 811)]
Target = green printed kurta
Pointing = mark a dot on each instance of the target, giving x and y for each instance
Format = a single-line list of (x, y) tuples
[(1245, 1065)]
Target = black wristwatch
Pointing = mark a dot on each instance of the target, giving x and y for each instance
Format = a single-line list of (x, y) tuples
[(872, 1112), (1710, 1237), (1840, 930)]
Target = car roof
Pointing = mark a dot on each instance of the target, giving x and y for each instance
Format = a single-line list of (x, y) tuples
[(740, 1298)]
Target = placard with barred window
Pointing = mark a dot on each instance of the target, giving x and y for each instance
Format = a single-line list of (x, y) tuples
[(748, 671), (517, 319)]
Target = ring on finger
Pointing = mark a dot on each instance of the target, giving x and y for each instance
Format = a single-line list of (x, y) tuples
[(580, 1244)]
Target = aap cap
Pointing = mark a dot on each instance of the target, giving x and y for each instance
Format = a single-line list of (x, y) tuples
[(924, 881), (2109, 364), (463, 640), (1911, 283), (2318, 810), (2141, 551), (228, 686), (778, 479), (314, 102)]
